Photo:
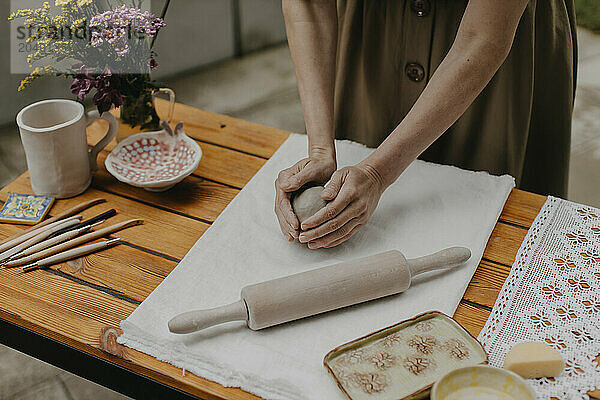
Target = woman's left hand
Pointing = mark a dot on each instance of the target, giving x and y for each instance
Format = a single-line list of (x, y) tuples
[(353, 193)]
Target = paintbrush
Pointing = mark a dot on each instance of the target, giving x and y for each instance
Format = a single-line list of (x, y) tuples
[(28, 233), (40, 237), (73, 242), (51, 241), (31, 233), (70, 254), (102, 217)]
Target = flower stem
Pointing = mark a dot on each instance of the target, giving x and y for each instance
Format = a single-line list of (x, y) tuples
[(163, 14)]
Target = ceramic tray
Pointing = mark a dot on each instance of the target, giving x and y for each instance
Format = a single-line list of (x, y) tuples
[(404, 360)]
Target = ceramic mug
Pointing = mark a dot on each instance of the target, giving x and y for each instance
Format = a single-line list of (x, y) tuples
[(59, 159)]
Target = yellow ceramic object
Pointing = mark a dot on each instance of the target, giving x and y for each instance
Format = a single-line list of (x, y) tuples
[(482, 382)]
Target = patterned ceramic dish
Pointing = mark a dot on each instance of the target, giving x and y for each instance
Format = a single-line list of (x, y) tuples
[(404, 360), (482, 382), (156, 161)]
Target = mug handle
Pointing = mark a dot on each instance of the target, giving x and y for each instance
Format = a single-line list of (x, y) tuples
[(171, 94), (113, 127)]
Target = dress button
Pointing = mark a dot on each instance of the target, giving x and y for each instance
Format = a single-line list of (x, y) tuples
[(415, 72), (421, 7)]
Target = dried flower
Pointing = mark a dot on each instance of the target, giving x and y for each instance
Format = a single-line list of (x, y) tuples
[(109, 44), (115, 27), (83, 83), (152, 64), (38, 72), (108, 91)]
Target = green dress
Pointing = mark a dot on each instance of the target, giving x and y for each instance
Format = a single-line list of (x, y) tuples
[(519, 125)]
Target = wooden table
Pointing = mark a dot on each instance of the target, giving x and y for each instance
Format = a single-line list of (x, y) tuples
[(69, 315)]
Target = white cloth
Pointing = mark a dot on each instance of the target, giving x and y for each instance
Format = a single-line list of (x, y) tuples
[(429, 208), (552, 295)]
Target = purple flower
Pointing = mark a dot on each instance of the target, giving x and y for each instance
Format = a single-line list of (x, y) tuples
[(107, 74), (105, 99), (81, 87), (152, 64), (83, 83), (116, 27), (108, 91)]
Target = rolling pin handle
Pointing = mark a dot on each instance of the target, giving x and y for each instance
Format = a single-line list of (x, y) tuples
[(443, 259), (193, 321)]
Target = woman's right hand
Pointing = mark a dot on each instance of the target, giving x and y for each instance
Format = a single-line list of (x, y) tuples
[(312, 169)]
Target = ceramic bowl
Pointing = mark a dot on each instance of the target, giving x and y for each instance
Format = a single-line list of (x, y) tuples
[(155, 161), (482, 382)]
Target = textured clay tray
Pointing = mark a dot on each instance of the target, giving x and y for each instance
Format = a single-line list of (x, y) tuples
[(404, 360)]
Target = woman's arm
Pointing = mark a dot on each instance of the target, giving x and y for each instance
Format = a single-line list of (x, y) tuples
[(311, 27), (481, 45)]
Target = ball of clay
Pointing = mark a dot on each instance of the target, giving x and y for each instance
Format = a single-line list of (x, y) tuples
[(307, 202)]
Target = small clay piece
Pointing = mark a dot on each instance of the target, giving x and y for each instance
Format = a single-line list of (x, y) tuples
[(534, 360), (306, 202)]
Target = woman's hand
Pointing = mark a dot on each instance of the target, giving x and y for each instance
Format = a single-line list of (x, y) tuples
[(316, 169), (353, 194)]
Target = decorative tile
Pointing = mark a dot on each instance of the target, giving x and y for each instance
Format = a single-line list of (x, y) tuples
[(25, 208)]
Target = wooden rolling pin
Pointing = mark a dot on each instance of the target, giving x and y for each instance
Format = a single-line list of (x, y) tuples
[(320, 290)]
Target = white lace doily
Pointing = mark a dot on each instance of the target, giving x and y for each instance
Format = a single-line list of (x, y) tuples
[(552, 295)]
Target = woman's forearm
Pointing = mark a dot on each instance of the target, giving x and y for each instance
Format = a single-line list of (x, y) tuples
[(312, 36), (481, 46)]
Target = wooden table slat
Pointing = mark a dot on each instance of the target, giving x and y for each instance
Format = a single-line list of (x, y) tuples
[(503, 244), (227, 166), (37, 310), (134, 279), (486, 283), (106, 272), (155, 220), (227, 131), (471, 318), (61, 305), (522, 207), (194, 197)]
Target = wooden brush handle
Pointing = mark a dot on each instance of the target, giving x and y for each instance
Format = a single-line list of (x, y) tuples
[(102, 217), (40, 237), (52, 241), (72, 211), (77, 252), (32, 233), (75, 242)]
